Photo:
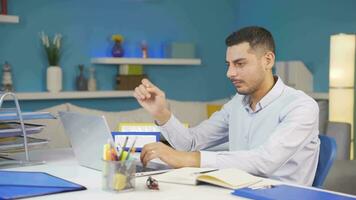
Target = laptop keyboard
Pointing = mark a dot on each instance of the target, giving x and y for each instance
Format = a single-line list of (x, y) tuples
[(140, 168)]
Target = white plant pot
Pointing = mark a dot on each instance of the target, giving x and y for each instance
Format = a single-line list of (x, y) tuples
[(54, 79)]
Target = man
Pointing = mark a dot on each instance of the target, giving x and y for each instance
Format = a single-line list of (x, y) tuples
[(272, 129)]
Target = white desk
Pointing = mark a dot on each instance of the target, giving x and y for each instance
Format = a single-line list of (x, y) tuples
[(61, 163)]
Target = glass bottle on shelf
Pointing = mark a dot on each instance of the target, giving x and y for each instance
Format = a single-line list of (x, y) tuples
[(144, 49), (117, 50), (81, 81), (6, 85), (3, 7), (92, 80)]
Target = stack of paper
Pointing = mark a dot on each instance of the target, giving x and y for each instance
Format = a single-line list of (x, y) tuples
[(11, 129)]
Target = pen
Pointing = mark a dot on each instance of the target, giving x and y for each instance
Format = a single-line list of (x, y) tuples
[(106, 152), (123, 147), (118, 147), (113, 150), (130, 149), (133, 150), (261, 187), (206, 171)]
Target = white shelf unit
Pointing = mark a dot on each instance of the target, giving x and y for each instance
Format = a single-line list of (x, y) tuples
[(146, 61), (9, 19), (74, 95), (103, 95)]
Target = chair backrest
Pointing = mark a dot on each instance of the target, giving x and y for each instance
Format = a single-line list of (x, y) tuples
[(327, 156), (341, 132)]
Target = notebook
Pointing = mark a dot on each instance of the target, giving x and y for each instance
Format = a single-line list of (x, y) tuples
[(280, 192), (14, 184), (229, 178)]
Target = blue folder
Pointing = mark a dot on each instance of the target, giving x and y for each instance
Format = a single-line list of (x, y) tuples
[(14, 184), (288, 192)]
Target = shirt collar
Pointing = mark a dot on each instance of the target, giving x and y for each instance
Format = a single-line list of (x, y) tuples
[(272, 95)]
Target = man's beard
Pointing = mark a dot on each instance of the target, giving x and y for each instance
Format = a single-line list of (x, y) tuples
[(248, 92)]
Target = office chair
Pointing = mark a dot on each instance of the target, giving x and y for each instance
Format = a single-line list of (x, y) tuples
[(327, 156), (341, 132)]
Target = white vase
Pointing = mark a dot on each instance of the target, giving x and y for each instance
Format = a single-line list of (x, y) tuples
[(54, 79)]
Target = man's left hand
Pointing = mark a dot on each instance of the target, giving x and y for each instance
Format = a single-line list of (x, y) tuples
[(172, 157)]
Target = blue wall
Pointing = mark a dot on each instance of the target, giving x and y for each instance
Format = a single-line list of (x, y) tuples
[(302, 29), (87, 27)]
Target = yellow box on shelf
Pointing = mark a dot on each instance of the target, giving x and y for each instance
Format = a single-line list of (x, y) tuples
[(131, 69)]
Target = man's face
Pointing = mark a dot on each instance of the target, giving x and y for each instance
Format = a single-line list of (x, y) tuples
[(246, 69)]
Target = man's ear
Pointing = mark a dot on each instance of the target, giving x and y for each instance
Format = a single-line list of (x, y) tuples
[(269, 60)]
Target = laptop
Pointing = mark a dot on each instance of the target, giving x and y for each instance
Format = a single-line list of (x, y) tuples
[(88, 134)]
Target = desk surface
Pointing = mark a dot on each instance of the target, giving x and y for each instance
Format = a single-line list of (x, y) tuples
[(61, 163)]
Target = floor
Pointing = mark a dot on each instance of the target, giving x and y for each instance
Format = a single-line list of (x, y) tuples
[(342, 177)]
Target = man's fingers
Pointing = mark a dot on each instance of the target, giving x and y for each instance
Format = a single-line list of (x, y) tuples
[(136, 96), (139, 100), (146, 151), (150, 155), (146, 148), (143, 152), (144, 91), (147, 83), (150, 86), (140, 92)]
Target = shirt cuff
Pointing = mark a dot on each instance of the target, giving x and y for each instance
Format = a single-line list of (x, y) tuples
[(168, 128), (171, 122), (159, 125), (208, 159)]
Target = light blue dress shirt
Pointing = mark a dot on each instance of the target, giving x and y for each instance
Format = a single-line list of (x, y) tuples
[(278, 140)]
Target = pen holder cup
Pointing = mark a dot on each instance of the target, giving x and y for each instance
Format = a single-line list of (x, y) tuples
[(119, 176)]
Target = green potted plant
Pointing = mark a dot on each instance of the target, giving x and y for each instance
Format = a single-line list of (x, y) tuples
[(52, 49)]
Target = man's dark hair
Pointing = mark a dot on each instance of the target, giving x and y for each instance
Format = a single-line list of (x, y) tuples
[(254, 35)]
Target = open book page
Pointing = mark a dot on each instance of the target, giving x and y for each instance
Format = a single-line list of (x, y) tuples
[(230, 178), (186, 175)]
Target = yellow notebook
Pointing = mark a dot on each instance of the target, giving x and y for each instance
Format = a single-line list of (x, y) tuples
[(229, 178), (136, 127), (139, 127)]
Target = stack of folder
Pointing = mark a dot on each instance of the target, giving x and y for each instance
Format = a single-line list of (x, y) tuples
[(11, 135), (280, 192), (14, 185)]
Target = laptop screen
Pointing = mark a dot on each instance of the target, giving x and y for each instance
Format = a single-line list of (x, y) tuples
[(88, 134)]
